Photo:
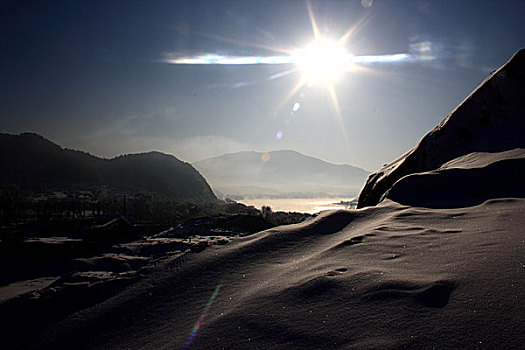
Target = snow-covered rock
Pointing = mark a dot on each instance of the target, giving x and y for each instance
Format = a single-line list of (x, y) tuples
[(489, 120)]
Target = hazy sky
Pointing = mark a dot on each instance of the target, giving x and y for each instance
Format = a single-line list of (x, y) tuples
[(93, 75)]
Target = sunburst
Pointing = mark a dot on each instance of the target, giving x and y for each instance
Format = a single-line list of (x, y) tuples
[(322, 63)]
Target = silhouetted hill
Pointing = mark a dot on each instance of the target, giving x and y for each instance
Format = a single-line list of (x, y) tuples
[(279, 172), (451, 160), (31, 161)]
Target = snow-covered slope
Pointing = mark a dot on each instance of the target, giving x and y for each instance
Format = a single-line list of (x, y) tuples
[(386, 277)]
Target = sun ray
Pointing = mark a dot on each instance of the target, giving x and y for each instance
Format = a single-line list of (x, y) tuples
[(239, 42), (354, 29), (302, 81), (315, 28), (335, 103), (282, 74), (245, 43)]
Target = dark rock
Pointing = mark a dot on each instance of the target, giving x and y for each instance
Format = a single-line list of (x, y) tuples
[(489, 120)]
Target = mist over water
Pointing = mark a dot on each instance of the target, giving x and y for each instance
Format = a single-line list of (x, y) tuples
[(301, 205)]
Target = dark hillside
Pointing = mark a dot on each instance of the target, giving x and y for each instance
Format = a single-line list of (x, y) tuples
[(30, 161)]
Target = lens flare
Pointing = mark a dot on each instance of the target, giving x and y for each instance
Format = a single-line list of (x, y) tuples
[(366, 3), (199, 323), (265, 157), (316, 57), (211, 58)]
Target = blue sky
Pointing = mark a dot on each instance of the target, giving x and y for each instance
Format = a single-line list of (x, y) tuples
[(92, 75)]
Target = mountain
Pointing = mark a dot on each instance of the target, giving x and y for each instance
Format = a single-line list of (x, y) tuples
[(279, 173), (31, 161), (466, 157)]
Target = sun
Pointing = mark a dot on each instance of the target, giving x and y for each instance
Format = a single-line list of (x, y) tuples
[(323, 62)]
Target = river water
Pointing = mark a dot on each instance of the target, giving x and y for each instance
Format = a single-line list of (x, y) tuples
[(301, 205)]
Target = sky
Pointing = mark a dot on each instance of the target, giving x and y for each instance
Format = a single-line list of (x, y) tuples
[(102, 76)]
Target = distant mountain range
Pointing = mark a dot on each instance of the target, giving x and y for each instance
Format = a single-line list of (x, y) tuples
[(280, 173), (31, 161)]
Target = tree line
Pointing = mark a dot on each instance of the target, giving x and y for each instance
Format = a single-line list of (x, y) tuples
[(18, 205)]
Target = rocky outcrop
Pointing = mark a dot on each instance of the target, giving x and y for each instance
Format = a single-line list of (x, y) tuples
[(489, 120)]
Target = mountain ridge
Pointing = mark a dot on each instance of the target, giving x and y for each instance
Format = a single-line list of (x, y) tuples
[(32, 161), (282, 151), (278, 173)]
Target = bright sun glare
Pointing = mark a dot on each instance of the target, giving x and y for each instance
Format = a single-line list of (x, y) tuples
[(323, 62)]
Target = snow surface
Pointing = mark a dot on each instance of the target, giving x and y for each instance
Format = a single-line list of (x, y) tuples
[(388, 277)]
